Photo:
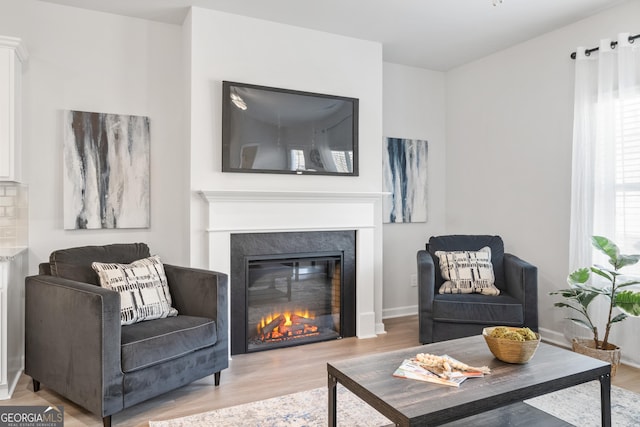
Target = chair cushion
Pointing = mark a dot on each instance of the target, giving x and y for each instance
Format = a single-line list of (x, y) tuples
[(156, 341), (143, 288), (480, 309), (467, 272), (75, 263), (469, 243)]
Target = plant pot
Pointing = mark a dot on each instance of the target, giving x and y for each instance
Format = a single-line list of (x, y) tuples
[(610, 354)]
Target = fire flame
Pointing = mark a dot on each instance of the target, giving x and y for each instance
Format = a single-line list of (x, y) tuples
[(287, 325), (287, 314)]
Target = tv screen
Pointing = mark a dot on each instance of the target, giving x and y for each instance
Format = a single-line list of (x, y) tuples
[(271, 130)]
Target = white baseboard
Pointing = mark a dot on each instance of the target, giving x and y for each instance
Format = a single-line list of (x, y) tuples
[(558, 338), (389, 313), (554, 337)]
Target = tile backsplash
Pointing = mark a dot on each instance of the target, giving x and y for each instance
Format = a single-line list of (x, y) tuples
[(13, 215)]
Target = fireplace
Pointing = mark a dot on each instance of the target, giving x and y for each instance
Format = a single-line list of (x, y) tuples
[(291, 288), (238, 212)]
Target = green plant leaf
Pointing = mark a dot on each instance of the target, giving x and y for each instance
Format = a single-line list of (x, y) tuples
[(563, 304), (607, 270), (602, 273), (607, 247), (581, 275), (624, 260), (619, 318), (586, 296), (587, 287), (629, 302), (566, 293), (605, 290), (629, 283)]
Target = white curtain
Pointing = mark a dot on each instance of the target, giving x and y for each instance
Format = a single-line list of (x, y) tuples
[(607, 89)]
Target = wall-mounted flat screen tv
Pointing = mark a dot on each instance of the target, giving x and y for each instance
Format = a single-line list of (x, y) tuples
[(271, 130)]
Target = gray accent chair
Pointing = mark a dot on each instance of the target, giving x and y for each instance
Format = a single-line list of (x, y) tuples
[(75, 345), (448, 316)]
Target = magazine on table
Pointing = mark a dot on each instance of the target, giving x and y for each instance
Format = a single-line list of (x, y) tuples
[(413, 369)]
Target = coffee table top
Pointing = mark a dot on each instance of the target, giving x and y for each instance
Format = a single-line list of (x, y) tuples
[(551, 368)]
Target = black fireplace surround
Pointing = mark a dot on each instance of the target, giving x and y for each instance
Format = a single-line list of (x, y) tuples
[(246, 247)]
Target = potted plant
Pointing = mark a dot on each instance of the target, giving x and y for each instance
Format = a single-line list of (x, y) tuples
[(615, 287)]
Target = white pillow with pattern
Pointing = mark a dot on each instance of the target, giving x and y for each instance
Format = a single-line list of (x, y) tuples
[(467, 272), (143, 288)]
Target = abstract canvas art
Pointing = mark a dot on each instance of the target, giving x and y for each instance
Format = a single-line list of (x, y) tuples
[(106, 170), (405, 177)]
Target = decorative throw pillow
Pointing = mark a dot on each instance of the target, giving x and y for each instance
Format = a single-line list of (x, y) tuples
[(143, 288), (467, 272)]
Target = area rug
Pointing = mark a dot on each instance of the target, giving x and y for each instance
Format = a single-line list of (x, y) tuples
[(579, 405)]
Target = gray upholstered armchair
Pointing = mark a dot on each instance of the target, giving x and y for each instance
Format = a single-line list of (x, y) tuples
[(75, 343), (450, 315)]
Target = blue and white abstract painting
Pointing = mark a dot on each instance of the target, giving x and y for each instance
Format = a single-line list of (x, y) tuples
[(106, 170), (405, 177)]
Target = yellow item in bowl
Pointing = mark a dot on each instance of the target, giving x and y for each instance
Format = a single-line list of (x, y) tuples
[(514, 334), (511, 344)]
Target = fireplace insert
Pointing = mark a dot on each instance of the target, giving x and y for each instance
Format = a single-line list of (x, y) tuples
[(291, 288), (293, 299)]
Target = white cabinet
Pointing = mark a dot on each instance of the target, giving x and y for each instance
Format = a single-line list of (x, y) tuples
[(13, 270), (12, 56)]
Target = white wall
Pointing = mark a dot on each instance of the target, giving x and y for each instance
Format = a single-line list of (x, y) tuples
[(509, 136), (413, 108), (94, 61), (237, 48)]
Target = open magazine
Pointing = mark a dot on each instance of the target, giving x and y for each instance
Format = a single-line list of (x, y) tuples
[(413, 369)]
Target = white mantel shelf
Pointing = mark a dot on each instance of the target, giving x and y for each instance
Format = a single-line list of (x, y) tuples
[(257, 211), (254, 210), (317, 196)]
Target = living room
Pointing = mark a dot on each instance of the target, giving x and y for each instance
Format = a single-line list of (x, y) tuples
[(504, 119)]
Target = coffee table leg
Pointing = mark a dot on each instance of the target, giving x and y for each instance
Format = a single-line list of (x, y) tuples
[(605, 399), (332, 383)]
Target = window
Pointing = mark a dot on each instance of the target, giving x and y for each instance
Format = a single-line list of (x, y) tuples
[(627, 178)]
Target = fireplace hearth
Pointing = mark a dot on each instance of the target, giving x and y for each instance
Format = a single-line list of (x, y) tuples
[(291, 288)]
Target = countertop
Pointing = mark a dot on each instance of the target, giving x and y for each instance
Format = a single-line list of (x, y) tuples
[(8, 254)]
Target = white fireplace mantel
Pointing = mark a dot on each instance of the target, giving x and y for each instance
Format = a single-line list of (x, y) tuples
[(248, 211)]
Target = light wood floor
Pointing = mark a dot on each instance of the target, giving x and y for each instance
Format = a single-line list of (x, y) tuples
[(255, 376)]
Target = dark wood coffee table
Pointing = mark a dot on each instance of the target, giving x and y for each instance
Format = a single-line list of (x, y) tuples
[(493, 397)]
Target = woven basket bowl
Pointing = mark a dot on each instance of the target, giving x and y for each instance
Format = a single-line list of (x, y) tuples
[(508, 350)]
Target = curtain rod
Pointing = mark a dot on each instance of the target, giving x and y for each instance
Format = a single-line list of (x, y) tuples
[(613, 45)]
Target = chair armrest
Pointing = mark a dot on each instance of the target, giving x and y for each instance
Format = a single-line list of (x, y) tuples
[(72, 341), (196, 292), (44, 268), (426, 279), (426, 292), (521, 280)]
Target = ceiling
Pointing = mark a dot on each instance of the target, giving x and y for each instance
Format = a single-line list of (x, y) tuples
[(433, 34)]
